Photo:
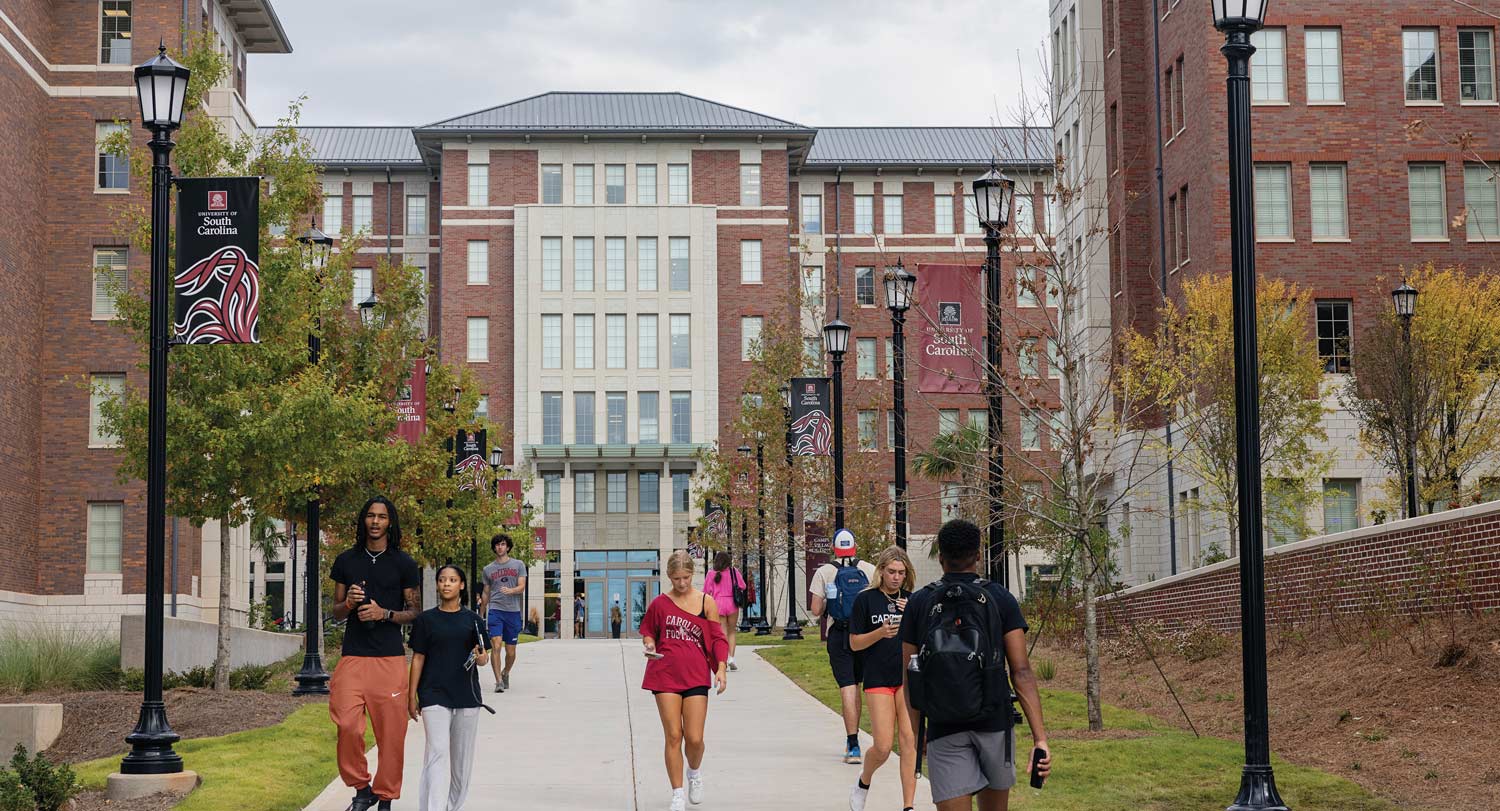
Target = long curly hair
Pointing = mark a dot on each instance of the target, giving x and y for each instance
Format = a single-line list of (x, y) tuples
[(393, 534)]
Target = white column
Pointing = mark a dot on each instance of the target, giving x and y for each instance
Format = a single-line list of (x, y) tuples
[(665, 541)]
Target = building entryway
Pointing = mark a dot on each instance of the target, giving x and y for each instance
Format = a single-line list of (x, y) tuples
[(631, 577)]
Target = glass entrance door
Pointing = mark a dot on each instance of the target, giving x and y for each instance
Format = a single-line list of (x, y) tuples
[(642, 591), (594, 608)]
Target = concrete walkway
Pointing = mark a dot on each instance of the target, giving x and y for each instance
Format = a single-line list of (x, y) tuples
[(575, 731)]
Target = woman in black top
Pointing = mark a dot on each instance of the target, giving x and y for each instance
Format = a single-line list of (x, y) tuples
[(873, 626), (447, 643)]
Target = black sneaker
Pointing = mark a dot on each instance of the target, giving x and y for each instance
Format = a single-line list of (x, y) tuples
[(385, 805), (364, 799)]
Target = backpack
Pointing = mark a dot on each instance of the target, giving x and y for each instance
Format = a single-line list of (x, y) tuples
[(850, 581), (962, 669)]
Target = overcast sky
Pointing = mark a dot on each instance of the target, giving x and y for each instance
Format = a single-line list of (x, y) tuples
[(815, 62)]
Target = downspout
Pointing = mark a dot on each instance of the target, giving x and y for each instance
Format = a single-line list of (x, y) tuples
[(1161, 222)]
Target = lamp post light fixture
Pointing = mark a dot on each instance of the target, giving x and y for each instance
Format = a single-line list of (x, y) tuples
[(312, 679), (161, 84), (993, 194), (899, 285), (836, 342), (1405, 300), (367, 310), (1237, 20), (745, 624), (793, 628)]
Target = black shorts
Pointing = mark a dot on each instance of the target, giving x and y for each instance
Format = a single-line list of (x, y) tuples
[(847, 670), (694, 692)]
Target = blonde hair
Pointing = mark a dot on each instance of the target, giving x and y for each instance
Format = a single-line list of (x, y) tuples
[(680, 561), (889, 555)]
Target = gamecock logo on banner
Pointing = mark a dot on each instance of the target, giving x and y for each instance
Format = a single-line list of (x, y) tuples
[(814, 433), (225, 291)]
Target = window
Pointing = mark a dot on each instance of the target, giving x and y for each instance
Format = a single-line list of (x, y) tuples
[(971, 215), (750, 328), (583, 184), (1031, 431), (750, 184), (552, 492), (114, 169), (677, 184), (645, 264), (1025, 219), (1054, 359), (646, 354), (614, 341), (1479, 198), (1330, 212), (890, 360), (551, 264), (1183, 230), (1170, 83), (364, 285), (1028, 282), (750, 261), (979, 420), (1325, 69), (1419, 59), (869, 439), (1268, 66), (681, 269), (942, 213), (1177, 90), (615, 486), (103, 387), (650, 495), (614, 264), (812, 355), (890, 429), (614, 184), (1476, 65), (583, 417), (106, 521), (812, 286), (1111, 156), (682, 342), (333, 213), (648, 418), (1273, 201), (479, 260), (111, 275), (1026, 358), (1333, 336), (114, 40), (681, 492), (1109, 27), (583, 341), (682, 416), (864, 358), (645, 184), (583, 264), (949, 500), (1340, 505), (864, 287), (551, 341), (947, 420), (1429, 219), (363, 212), (416, 214), (479, 340), (551, 421), (812, 214), (892, 223), (552, 186), (482, 410), (614, 417), (479, 184), (583, 492), (1174, 257), (864, 214)]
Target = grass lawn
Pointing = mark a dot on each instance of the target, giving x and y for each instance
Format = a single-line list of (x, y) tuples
[(1140, 762)]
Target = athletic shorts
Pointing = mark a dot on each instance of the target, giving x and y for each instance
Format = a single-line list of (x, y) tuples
[(885, 691), (505, 626), (966, 763), (692, 692), (847, 669)]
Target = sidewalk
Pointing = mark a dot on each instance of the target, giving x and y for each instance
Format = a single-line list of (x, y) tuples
[(575, 731)]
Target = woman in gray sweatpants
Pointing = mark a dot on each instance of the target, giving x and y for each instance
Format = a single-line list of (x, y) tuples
[(449, 644)]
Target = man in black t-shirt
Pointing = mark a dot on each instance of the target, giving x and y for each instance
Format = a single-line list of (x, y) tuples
[(376, 590), (976, 757)]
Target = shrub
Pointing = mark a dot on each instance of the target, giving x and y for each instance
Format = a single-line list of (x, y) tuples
[(37, 657), (1046, 669), (14, 795), (251, 677), (1200, 643), (52, 785)]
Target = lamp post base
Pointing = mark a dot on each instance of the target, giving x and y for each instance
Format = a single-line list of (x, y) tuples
[(762, 628), (1258, 791), (793, 630), (312, 680), (151, 743)]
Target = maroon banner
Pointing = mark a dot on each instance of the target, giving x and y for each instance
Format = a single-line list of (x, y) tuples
[(539, 542), (812, 427), (742, 489), (411, 404), (512, 488), (950, 329), (469, 459)]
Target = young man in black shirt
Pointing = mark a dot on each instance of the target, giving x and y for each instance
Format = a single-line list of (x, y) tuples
[(975, 757), (377, 588)]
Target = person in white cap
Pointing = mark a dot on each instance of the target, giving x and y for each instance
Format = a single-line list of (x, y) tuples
[(834, 588)]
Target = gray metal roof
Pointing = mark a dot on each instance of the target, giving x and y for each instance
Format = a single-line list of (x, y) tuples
[(361, 146), (930, 146), (621, 112)]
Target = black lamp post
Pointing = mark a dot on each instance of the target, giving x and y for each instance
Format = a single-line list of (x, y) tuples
[(367, 310), (1405, 300), (898, 290), (992, 199), (162, 85), (763, 624), (793, 629), (1238, 19), (745, 624), (312, 679), (497, 457), (836, 342)]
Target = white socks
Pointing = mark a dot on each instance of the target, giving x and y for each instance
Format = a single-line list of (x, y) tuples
[(677, 794), (692, 774)]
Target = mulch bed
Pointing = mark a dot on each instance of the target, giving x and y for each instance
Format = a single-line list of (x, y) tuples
[(96, 801)]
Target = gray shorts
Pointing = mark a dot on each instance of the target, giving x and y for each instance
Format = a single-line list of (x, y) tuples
[(966, 763)]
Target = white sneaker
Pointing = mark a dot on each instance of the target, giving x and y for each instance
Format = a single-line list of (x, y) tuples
[(679, 803), (732, 665), (857, 797), (695, 789)]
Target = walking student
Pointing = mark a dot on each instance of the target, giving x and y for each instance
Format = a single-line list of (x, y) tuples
[(447, 644), (686, 652), (960, 688), (726, 585), (872, 634), (504, 585), (376, 590), (579, 618), (834, 588), (616, 619)]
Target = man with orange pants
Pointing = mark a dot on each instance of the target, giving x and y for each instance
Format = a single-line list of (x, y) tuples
[(377, 588)]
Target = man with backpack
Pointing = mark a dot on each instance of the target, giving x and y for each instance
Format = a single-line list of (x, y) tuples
[(834, 587), (958, 636)]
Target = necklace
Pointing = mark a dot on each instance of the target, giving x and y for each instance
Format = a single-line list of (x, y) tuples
[(375, 556)]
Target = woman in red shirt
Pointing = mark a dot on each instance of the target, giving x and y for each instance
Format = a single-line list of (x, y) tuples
[(686, 651)]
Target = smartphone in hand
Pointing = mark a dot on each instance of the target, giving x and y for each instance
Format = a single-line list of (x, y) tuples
[(1036, 757), (651, 654)]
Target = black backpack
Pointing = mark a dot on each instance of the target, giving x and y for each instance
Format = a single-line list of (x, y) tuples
[(962, 670)]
